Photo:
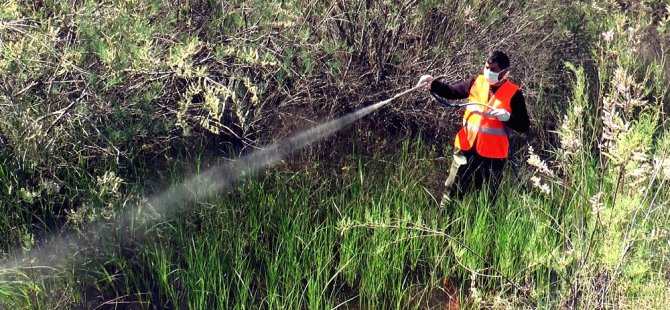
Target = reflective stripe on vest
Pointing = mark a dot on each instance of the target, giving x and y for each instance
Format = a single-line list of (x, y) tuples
[(489, 134), (487, 130)]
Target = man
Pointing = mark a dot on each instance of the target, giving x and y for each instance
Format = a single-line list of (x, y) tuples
[(481, 146)]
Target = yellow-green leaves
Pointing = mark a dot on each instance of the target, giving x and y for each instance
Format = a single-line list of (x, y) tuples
[(9, 10), (180, 59), (250, 55), (206, 102)]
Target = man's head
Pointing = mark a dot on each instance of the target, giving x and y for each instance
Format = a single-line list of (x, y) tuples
[(496, 67)]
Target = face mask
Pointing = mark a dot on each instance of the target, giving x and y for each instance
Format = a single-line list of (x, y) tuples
[(491, 77)]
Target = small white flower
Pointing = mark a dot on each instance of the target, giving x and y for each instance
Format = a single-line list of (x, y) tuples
[(539, 164), (597, 205), (638, 172), (639, 156), (663, 164), (543, 188), (607, 36)]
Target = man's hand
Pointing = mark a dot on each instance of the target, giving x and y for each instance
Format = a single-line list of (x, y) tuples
[(500, 114), (427, 80)]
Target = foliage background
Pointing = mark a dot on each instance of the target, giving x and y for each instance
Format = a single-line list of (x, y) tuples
[(104, 103)]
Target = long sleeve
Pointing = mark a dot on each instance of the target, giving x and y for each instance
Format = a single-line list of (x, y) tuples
[(460, 90), (518, 120)]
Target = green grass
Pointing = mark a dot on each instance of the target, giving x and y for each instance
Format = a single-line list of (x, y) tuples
[(367, 234), (372, 238), (362, 231)]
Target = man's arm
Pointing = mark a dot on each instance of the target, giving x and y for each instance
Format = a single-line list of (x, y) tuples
[(460, 90), (519, 117)]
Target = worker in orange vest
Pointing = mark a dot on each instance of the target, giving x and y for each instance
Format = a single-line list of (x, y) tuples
[(481, 146)]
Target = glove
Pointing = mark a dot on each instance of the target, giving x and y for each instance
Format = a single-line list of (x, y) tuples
[(425, 79), (500, 114)]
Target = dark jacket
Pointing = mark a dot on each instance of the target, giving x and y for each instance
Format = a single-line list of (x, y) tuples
[(518, 117)]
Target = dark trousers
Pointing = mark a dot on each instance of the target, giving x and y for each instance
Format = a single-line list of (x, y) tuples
[(470, 171)]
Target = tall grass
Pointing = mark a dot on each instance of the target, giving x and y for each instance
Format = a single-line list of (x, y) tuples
[(373, 238), (96, 107)]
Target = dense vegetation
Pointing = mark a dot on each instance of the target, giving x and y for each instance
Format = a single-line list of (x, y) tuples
[(105, 104)]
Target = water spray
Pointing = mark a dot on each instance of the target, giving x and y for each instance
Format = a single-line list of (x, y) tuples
[(202, 186)]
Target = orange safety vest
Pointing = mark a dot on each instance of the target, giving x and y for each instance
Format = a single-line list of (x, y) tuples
[(489, 134)]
